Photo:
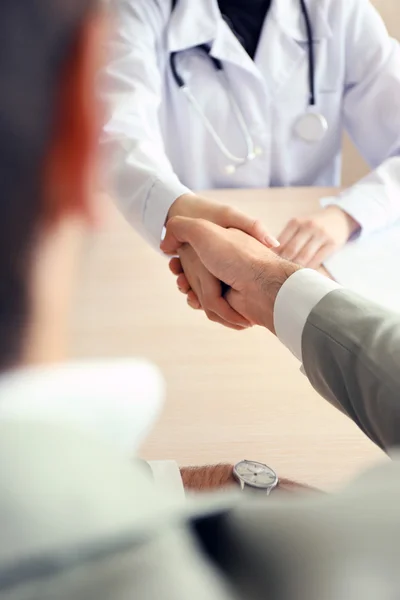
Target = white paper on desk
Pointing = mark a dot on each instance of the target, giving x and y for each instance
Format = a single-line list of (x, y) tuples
[(370, 266)]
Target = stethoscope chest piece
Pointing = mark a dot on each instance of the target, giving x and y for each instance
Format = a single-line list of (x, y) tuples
[(311, 127)]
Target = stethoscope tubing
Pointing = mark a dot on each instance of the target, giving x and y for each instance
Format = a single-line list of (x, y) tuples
[(250, 145), (219, 66)]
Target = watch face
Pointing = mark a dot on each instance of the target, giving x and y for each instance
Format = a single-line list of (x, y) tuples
[(255, 474)]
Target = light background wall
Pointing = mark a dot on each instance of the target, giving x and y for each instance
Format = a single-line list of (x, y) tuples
[(353, 165)]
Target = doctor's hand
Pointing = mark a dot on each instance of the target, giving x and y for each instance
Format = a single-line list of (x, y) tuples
[(310, 240), (203, 289), (253, 273)]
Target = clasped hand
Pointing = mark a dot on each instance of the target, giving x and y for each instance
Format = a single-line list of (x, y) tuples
[(232, 253), (195, 278)]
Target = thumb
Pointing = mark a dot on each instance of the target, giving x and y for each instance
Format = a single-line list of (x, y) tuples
[(170, 244), (183, 230), (209, 241)]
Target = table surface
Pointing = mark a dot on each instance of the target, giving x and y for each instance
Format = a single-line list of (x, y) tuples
[(230, 395)]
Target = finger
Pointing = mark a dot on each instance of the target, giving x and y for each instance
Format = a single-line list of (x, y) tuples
[(287, 234), (309, 250), (216, 319), (183, 284), (296, 244), (193, 301), (235, 219), (175, 266), (212, 301), (205, 291), (235, 300), (325, 252), (218, 305), (214, 250), (212, 316)]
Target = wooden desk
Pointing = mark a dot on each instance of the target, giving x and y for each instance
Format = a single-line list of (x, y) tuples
[(231, 395)]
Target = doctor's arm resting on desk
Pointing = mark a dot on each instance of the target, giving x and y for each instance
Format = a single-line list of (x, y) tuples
[(350, 347), (371, 112)]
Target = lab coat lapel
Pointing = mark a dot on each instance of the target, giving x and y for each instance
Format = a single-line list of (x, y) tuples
[(227, 48), (196, 23), (283, 45), (192, 24)]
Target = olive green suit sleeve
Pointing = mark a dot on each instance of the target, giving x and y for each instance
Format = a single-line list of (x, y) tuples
[(351, 355)]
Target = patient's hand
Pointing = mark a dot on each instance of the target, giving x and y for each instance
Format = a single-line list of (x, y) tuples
[(253, 273), (308, 241), (204, 291)]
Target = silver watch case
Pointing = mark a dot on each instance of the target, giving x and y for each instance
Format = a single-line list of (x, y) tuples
[(255, 475)]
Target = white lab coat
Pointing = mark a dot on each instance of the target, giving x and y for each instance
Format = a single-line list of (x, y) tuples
[(157, 148)]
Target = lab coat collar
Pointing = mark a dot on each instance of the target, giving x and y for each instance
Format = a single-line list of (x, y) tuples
[(283, 44), (288, 16), (195, 23), (117, 401)]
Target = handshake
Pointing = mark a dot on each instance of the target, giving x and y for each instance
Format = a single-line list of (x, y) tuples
[(219, 245), (236, 252)]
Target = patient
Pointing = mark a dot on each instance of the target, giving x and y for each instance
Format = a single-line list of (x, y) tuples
[(49, 127)]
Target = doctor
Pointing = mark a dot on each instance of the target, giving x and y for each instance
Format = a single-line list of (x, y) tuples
[(251, 93)]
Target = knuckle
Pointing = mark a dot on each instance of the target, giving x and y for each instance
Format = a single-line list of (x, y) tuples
[(303, 261), (211, 316), (293, 247), (253, 222), (329, 248), (321, 231), (310, 225), (195, 304), (210, 302), (256, 226), (227, 213)]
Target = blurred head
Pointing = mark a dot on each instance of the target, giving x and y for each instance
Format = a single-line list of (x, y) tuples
[(49, 124)]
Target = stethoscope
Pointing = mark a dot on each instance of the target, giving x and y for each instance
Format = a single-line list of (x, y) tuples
[(310, 127)]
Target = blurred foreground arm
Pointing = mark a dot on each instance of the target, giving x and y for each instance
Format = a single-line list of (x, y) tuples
[(90, 524)]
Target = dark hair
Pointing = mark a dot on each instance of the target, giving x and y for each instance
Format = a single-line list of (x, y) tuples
[(36, 37)]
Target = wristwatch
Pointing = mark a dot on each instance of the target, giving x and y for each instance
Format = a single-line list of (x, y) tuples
[(255, 475)]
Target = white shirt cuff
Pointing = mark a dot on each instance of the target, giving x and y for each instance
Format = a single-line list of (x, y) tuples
[(167, 476), (162, 195), (295, 301), (357, 207), (374, 201)]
